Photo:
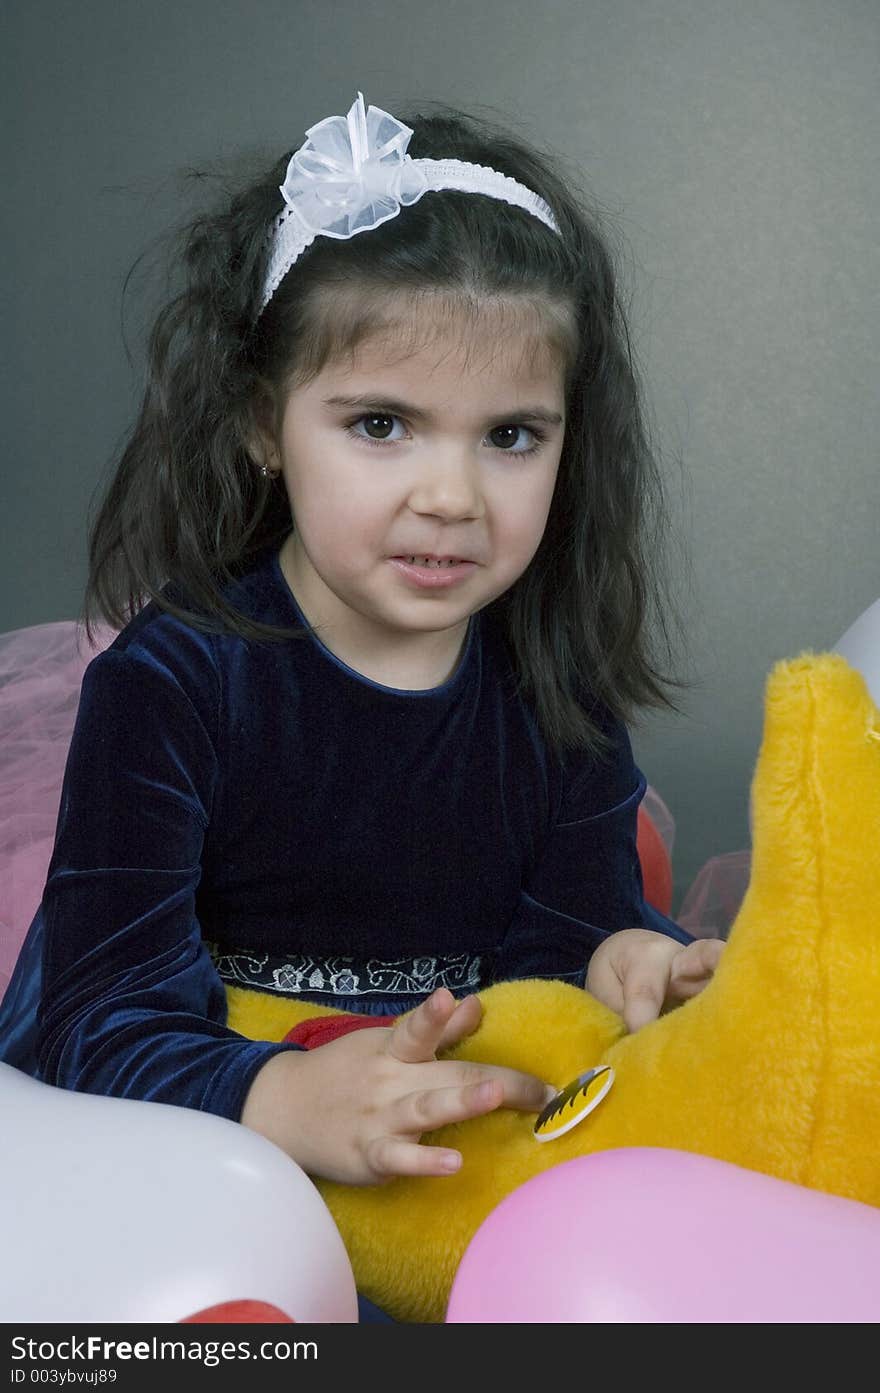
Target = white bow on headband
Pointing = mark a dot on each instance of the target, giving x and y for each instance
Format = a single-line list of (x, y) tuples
[(353, 173)]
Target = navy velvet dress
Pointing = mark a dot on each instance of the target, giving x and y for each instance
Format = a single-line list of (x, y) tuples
[(262, 814)]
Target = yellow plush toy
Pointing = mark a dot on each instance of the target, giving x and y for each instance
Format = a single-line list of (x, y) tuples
[(774, 1066)]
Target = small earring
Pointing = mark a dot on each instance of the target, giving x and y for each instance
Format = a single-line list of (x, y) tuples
[(266, 472)]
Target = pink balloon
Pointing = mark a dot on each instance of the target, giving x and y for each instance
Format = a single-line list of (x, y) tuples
[(642, 1235)]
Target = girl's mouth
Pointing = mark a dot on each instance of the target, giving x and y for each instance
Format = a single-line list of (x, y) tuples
[(431, 560), (432, 572)]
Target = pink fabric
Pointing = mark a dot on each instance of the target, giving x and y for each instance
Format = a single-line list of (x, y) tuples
[(713, 901), (41, 670)]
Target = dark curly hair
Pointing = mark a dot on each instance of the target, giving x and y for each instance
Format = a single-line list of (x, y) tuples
[(186, 511)]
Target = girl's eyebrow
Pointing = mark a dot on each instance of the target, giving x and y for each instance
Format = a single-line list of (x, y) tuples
[(401, 408)]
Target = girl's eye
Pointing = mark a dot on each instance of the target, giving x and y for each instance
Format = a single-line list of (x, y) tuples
[(504, 437), (379, 426)]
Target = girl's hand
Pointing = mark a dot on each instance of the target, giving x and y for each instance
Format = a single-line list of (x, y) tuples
[(354, 1110), (639, 972)]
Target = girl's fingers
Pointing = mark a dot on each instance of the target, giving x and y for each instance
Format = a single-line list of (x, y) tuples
[(604, 983), (389, 1156), (524, 1092), (463, 1089), (699, 959), (463, 1022), (695, 967), (415, 1038), (481, 1090), (430, 1109), (644, 992)]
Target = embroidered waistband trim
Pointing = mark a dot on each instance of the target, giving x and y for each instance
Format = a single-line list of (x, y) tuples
[(304, 975)]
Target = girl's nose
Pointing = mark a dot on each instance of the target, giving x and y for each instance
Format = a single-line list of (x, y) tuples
[(447, 487)]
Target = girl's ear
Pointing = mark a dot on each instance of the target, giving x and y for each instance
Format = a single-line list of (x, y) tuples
[(261, 440)]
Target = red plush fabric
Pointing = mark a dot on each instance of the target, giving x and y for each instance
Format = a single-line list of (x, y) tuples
[(239, 1313), (320, 1030)]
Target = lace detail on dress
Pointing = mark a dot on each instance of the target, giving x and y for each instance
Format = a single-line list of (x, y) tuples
[(301, 974)]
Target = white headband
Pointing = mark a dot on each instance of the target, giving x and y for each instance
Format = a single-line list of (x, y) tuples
[(353, 173)]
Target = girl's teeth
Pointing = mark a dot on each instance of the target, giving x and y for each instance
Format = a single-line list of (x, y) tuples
[(429, 561)]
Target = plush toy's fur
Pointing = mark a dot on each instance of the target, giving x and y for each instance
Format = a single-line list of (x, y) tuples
[(774, 1066)]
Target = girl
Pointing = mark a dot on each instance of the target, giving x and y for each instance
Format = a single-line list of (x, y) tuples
[(375, 547)]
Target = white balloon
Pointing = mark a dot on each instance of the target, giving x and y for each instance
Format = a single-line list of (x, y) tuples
[(860, 645), (116, 1210)]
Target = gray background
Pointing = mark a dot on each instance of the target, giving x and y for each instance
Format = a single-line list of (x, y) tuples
[(735, 145)]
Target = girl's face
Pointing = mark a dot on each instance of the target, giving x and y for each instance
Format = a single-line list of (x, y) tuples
[(420, 474)]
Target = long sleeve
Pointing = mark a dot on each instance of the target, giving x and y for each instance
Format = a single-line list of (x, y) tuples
[(131, 1003), (587, 881)]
